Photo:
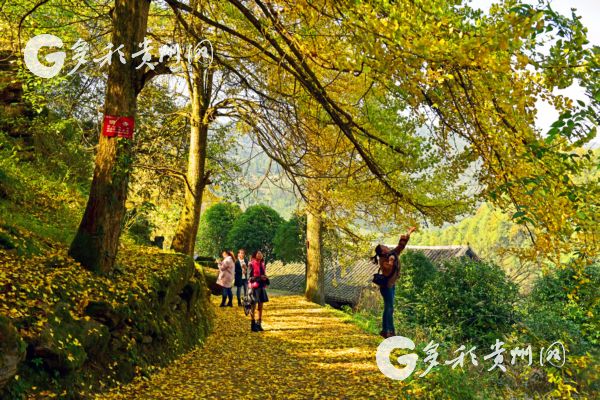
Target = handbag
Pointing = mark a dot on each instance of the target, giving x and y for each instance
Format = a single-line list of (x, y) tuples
[(380, 279)]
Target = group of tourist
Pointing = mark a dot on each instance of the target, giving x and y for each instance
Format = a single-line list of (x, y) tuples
[(249, 277)]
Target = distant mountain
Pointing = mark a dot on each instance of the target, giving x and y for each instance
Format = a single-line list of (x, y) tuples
[(275, 190)]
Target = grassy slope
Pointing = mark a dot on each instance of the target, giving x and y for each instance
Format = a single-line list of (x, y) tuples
[(39, 215), (42, 208)]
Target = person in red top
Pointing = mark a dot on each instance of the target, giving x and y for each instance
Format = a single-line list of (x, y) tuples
[(387, 258), (258, 282)]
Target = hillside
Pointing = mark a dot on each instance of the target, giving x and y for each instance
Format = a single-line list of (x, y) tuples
[(64, 329), (489, 232), (266, 183)]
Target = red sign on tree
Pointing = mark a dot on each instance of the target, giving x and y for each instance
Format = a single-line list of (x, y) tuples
[(118, 126)]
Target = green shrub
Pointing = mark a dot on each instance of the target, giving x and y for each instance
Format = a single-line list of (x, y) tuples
[(215, 224), (140, 231), (288, 244), (416, 270), (255, 230), (566, 302), (470, 300), (443, 382), (7, 185)]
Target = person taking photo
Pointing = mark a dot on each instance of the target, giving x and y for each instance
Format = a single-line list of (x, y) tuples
[(387, 259)]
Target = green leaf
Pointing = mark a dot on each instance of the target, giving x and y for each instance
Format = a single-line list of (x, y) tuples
[(518, 214)]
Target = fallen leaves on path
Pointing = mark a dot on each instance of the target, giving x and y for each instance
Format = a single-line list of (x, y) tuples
[(306, 351)]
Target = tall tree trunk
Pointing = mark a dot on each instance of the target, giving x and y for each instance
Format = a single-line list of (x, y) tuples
[(96, 242), (315, 276), (184, 240)]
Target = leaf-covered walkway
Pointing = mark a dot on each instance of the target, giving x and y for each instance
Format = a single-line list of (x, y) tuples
[(306, 351)]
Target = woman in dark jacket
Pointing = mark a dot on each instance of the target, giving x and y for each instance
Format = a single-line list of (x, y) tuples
[(241, 275)]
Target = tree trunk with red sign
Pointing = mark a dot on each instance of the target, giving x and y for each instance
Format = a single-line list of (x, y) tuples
[(184, 240), (97, 239)]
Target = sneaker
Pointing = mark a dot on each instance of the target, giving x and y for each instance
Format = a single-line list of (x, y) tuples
[(259, 326), (254, 326)]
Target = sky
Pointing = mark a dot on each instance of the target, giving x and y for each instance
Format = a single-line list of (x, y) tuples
[(589, 10)]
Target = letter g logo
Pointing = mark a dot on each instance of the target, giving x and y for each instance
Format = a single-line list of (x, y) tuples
[(32, 49), (384, 351)]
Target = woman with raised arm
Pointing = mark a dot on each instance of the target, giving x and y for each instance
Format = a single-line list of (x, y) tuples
[(387, 259)]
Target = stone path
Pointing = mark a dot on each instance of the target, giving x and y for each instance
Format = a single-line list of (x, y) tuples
[(306, 351)]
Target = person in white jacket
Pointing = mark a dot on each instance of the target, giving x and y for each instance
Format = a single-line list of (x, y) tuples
[(225, 279)]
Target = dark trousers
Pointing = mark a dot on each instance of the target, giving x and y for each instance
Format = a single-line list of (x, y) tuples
[(227, 293), (239, 290), (388, 308)]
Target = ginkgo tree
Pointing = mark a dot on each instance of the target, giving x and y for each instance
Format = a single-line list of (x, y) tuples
[(339, 191), (461, 73)]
